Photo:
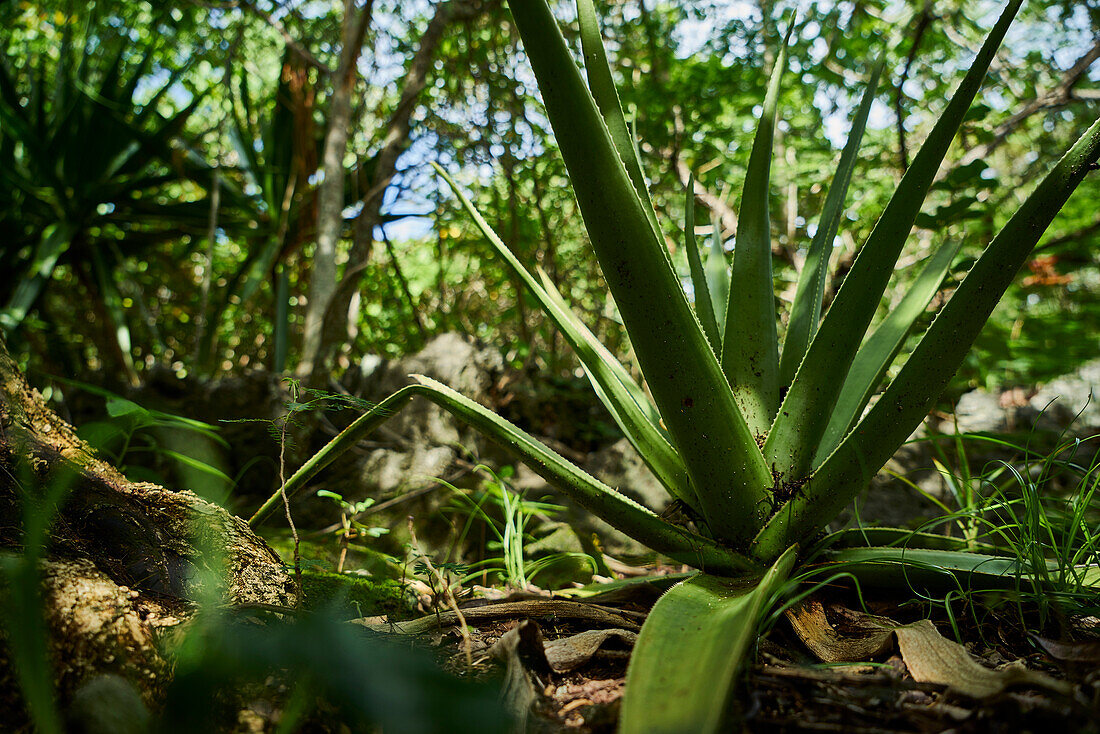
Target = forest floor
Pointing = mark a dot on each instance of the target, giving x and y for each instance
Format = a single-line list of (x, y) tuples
[(1002, 661), (561, 659), (788, 689)]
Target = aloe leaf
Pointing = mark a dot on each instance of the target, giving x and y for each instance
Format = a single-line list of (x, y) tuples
[(690, 649), (894, 567), (619, 511), (628, 404), (750, 350), (937, 355), (876, 354), (860, 537), (718, 278), (727, 470), (606, 96), (614, 367), (805, 412), (704, 307), (595, 351), (806, 308)]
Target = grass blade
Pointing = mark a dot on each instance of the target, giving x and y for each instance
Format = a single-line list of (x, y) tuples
[(806, 308), (619, 511), (728, 470), (876, 354), (938, 354), (750, 350), (690, 649), (704, 307), (627, 403), (805, 413)]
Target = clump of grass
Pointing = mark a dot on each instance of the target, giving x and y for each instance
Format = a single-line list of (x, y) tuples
[(1040, 508)]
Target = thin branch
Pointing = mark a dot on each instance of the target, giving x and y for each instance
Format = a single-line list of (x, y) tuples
[(923, 22), (1060, 96), (1068, 237), (447, 593)]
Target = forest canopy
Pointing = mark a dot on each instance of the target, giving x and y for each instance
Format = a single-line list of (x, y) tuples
[(202, 183)]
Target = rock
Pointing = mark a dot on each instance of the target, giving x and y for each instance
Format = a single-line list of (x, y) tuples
[(1071, 402), (418, 445), (979, 411), (620, 466)]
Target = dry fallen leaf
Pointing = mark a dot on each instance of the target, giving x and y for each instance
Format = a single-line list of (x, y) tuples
[(572, 652), (1083, 653), (851, 636), (932, 658), (838, 634)]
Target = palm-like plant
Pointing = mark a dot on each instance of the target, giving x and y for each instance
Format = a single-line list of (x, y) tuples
[(84, 172), (277, 148), (763, 445)]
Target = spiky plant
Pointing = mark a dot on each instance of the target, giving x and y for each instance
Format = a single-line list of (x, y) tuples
[(765, 446)]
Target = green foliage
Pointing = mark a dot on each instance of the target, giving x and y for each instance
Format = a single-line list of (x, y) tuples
[(88, 157), (509, 517), (1039, 507), (700, 630), (761, 476), (192, 449), (352, 596)]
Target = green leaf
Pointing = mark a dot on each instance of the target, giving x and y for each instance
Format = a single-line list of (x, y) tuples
[(605, 95), (121, 407), (860, 537), (194, 463), (718, 277), (878, 352), (704, 306), (805, 412), (727, 470), (619, 511), (944, 569), (690, 649), (627, 403), (53, 244), (934, 360), (806, 308), (750, 349)]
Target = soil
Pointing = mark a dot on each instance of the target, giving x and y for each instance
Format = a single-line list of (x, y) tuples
[(788, 690)]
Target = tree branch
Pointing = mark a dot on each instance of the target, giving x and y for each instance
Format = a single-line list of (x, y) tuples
[(923, 22), (1059, 96)]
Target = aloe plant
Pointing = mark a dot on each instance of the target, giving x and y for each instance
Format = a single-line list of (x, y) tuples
[(763, 442)]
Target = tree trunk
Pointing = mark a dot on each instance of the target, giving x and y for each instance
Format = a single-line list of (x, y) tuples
[(339, 321), (124, 560), (330, 221)]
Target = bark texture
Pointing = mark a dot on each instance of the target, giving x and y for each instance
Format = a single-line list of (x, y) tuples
[(124, 560)]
